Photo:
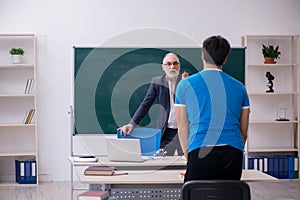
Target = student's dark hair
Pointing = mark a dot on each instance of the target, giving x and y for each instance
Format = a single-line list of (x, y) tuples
[(216, 50)]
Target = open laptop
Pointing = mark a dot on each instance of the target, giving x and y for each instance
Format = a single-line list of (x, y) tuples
[(126, 150)]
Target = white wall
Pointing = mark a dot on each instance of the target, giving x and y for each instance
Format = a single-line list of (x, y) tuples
[(59, 25)]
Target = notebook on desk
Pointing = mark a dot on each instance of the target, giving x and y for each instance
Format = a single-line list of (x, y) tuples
[(126, 150)]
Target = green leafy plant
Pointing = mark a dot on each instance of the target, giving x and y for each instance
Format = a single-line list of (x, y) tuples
[(17, 51), (270, 51)]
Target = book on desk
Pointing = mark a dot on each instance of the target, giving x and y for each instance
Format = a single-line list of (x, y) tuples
[(93, 195), (99, 171)]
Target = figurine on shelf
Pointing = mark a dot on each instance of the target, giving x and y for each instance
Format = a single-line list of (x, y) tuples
[(270, 82)]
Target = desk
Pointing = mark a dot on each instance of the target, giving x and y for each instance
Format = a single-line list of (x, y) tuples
[(154, 184), (161, 176), (168, 162)]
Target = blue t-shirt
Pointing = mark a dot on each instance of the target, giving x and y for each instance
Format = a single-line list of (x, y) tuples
[(214, 101)]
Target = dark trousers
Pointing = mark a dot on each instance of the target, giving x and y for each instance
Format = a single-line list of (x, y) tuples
[(214, 163), (170, 142)]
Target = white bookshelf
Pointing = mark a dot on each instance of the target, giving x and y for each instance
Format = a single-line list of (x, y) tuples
[(265, 134), (18, 141)]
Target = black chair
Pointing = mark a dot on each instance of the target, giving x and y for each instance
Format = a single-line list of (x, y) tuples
[(216, 190)]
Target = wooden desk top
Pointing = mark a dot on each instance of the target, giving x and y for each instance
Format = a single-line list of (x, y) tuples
[(160, 177), (165, 161), (255, 175)]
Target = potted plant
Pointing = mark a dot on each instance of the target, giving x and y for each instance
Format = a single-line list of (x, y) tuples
[(270, 53), (16, 55)]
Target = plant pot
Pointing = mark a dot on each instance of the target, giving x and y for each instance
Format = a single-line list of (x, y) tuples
[(269, 60), (16, 59)]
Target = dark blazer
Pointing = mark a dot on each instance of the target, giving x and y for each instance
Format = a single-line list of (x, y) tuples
[(159, 89)]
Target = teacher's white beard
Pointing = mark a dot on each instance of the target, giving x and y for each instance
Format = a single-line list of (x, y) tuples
[(172, 74)]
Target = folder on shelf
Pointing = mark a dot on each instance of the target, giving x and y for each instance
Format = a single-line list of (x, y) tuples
[(255, 163), (22, 172), (33, 171), (271, 166), (261, 164), (266, 169), (250, 163), (276, 167), (287, 167), (282, 167), (25, 171), (296, 167), (291, 167)]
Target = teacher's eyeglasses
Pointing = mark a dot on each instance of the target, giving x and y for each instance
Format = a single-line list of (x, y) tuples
[(169, 64)]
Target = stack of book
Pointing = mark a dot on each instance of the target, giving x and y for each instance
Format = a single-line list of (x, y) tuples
[(282, 167), (99, 171), (29, 116), (93, 195)]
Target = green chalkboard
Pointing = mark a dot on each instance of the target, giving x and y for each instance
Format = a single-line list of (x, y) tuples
[(110, 83)]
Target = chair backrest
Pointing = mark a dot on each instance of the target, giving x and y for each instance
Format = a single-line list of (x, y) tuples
[(216, 190)]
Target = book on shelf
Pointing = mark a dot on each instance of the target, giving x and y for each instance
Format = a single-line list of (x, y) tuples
[(99, 171), (93, 195), (28, 116), (29, 86)]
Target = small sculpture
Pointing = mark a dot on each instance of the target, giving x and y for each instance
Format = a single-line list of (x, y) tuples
[(160, 153), (270, 82)]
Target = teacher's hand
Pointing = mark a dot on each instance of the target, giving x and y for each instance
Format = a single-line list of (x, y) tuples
[(126, 129), (184, 75)]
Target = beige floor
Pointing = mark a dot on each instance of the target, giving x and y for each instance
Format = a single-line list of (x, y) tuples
[(281, 190)]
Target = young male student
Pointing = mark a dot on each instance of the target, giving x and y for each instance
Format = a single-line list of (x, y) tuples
[(212, 111), (162, 88)]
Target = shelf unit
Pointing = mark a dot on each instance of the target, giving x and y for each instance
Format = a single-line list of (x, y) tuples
[(265, 134), (18, 141)]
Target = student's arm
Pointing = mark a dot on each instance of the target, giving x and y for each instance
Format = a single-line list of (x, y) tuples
[(183, 127), (244, 122)]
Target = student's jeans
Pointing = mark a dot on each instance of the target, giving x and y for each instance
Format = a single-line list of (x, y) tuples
[(214, 163), (170, 142)]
